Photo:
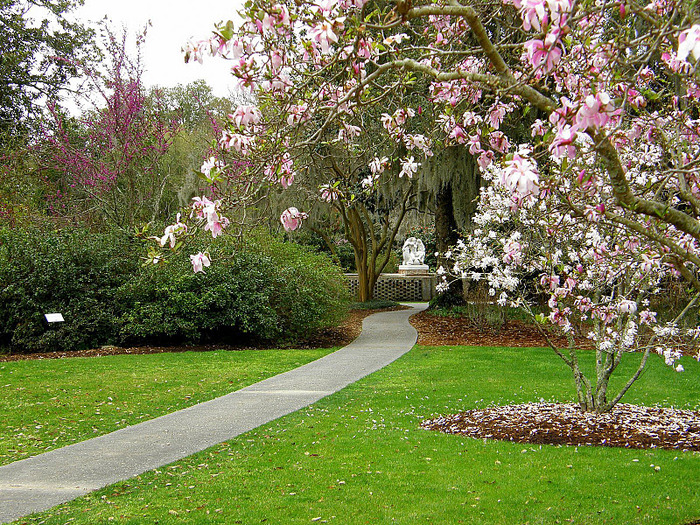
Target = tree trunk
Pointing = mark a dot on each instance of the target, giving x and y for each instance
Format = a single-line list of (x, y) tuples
[(456, 182), (445, 236)]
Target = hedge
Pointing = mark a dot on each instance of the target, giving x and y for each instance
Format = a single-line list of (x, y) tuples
[(262, 289)]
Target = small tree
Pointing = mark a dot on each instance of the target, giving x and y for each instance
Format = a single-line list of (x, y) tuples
[(107, 163), (371, 218), (597, 285)]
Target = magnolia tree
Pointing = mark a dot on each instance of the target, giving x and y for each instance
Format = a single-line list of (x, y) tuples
[(608, 89), (598, 283)]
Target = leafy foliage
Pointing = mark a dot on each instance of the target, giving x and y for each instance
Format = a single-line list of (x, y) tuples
[(37, 57), (259, 290), (71, 272)]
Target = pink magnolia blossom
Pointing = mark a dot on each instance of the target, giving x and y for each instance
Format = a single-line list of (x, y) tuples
[(194, 51), (172, 231), (496, 115), (459, 135), (549, 282), (297, 114), (324, 36), (475, 144), (236, 141), (543, 55), (538, 128), (499, 142), (328, 192), (627, 307), (286, 180), (276, 60), (377, 165), (364, 48), (200, 261), (534, 14), (421, 142), (199, 206), (402, 115), (348, 132), (512, 253), (216, 225), (470, 119), (277, 20), (676, 65), (485, 159), (280, 83), (559, 7), (244, 70), (520, 176), (210, 164), (291, 218), (246, 116), (563, 143), (370, 180), (595, 112)]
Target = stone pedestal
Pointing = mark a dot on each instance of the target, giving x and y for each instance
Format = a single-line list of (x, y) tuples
[(413, 269)]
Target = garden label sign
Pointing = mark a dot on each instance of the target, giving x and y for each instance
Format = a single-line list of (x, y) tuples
[(54, 318)]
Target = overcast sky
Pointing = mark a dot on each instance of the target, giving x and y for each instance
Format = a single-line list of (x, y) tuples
[(174, 22)]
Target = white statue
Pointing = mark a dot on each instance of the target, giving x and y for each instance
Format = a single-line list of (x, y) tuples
[(413, 252)]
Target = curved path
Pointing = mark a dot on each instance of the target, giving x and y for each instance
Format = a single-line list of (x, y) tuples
[(41, 482)]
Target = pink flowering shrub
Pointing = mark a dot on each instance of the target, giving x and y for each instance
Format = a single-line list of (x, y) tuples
[(106, 168)]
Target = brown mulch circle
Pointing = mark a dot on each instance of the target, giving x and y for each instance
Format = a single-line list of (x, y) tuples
[(626, 426)]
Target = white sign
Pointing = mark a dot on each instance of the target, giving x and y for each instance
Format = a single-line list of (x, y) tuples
[(54, 318)]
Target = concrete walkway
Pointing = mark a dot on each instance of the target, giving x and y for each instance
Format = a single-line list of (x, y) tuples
[(41, 482)]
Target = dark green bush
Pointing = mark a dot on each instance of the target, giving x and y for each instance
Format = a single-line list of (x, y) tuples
[(262, 289), (315, 293), (73, 272)]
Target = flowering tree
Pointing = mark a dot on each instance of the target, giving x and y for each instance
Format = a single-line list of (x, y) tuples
[(108, 160), (608, 90), (585, 71), (598, 284), (371, 217)]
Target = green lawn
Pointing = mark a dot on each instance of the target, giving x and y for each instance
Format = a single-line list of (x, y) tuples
[(47, 404), (359, 457)]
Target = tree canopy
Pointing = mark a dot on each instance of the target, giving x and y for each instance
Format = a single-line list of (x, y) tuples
[(39, 52)]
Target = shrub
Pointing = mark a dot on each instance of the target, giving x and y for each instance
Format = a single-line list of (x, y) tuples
[(73, 272), (261, 289)]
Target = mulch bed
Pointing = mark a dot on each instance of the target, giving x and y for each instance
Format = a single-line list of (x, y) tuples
[(434, 330), (627, 426)]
